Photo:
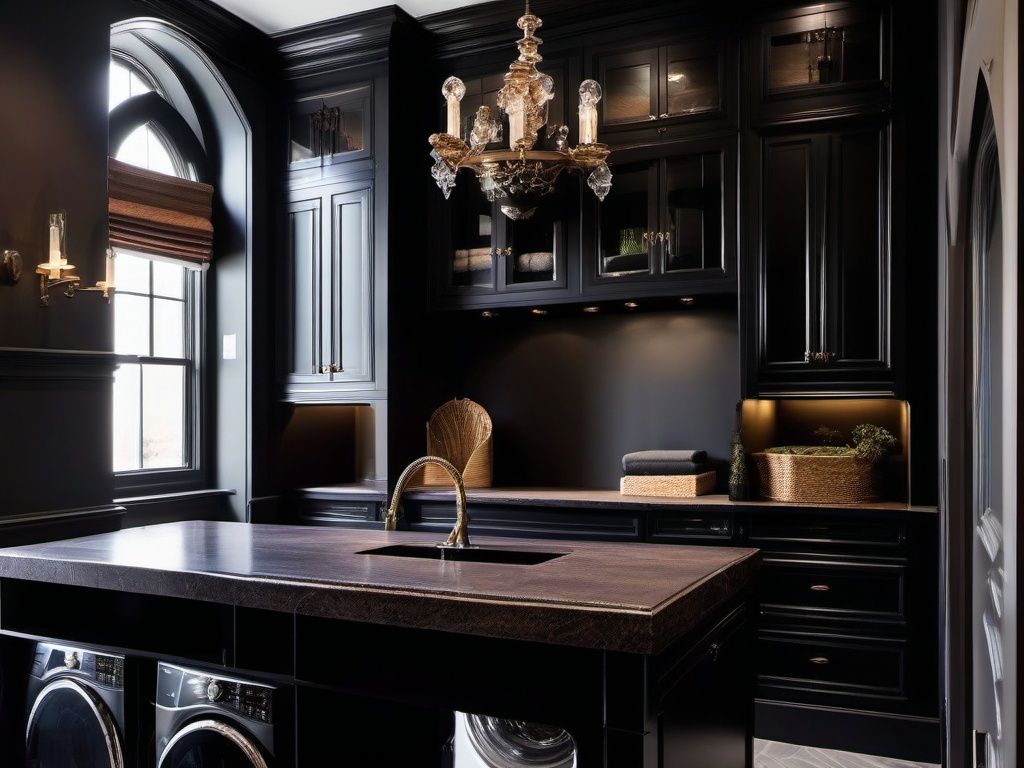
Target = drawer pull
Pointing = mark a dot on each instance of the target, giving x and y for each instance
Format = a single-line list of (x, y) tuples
[(819, 588), (819, 660)]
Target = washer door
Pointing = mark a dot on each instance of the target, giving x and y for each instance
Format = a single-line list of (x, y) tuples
[(500, 743), (211, 744), (69, 726)]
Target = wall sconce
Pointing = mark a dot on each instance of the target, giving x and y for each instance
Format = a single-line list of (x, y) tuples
[(10, 267), (57, 271)]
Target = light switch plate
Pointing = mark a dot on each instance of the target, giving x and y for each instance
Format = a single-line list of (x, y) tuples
[(229, 349)]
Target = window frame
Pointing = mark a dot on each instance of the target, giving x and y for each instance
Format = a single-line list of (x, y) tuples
[(152, 109)]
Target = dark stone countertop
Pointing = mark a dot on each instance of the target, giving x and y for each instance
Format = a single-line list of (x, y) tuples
[(636, 598)]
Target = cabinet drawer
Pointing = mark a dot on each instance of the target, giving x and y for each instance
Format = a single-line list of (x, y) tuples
[(832, 664), (854, 591), (672, 526), (321, 512), (546, 523), (780, 531)]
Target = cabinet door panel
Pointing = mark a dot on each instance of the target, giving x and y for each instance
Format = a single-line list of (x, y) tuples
[(627, 222), (350, 298), (630, 84), (857, 276), (304, 243), (694, 206), (692, 83), (789, 254)]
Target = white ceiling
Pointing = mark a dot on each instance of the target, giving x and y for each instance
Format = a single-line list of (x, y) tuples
[(274, 15)]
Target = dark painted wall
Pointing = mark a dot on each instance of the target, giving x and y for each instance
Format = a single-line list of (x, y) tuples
[(570, 395), (53, 131), (54, 60)]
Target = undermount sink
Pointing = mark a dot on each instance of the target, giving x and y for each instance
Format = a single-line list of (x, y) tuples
[(465, 554)]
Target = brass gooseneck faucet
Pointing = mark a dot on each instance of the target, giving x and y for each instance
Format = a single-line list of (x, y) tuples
[(459, 537)]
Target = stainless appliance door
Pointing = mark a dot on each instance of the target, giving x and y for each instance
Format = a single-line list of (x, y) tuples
[(211, 743), (69, 726)]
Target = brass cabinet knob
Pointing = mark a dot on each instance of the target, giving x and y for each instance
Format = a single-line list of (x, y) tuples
[(819, 357)]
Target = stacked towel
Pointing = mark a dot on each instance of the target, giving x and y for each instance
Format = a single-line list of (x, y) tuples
[(471, 259), (666, 463), (667, 473), (541, 261)]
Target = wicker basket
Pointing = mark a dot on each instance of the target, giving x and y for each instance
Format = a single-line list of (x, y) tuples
[(460, 431), (824, 479)]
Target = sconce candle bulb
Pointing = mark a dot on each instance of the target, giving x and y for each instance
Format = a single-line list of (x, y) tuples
[(56, 271)]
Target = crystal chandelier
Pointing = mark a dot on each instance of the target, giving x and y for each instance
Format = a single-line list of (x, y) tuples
[(537, 153)]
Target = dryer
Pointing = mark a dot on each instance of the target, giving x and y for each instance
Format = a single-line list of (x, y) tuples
[(75, 708), (482, 741), (211, 718)]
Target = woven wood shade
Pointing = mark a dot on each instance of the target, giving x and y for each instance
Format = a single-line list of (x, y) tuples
[(160, 214)]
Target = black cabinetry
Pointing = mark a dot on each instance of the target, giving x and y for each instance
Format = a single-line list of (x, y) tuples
[(331, 260), (847, 632), (821, 269), (664, 91), (668, 224), (831, 60)]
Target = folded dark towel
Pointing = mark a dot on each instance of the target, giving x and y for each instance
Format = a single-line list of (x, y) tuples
[(664, 462)]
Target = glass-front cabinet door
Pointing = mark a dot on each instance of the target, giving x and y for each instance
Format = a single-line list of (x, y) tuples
[(489, 257), (326, 132), (821, 63), (663, 91), (669, 220)]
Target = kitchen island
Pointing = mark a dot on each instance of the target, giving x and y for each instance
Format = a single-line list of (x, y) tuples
[(638, 650)]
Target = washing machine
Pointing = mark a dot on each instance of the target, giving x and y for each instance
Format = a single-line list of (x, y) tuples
[(212, 719), (75, 708), (482, 741)]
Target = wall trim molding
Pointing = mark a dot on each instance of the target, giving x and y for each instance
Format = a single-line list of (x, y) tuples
[(64, 364), (359, 40)]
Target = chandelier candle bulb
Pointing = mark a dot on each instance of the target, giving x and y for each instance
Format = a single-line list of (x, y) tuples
[(590, 94), (453, 90)]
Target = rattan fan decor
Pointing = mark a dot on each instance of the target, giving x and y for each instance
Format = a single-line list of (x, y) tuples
[(460, 431)]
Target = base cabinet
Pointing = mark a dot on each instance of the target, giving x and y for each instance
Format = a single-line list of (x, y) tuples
[(847, 624)]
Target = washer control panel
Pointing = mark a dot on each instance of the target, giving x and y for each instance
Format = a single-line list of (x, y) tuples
[(104, 669), (178, 688)]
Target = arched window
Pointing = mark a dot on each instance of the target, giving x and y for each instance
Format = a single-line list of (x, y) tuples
[(158, 309)]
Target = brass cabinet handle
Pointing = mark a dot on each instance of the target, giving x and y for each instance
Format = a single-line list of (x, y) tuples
[(332, 368), (819, 357), (652, 117), (819, 588), (325, 369), (508, 251), (647, 236), (663, 116), (819, 660)]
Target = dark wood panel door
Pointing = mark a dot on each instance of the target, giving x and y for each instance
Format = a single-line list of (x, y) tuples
[(823, 271)]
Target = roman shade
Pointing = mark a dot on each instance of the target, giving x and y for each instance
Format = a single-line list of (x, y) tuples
[(159, 214)]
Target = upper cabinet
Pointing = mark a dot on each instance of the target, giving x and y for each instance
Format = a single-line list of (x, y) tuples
[(487, 259), (821, 282), (658, 92), (328, 352), (331, 258), (326, 132), (668, 225), (828, 63)]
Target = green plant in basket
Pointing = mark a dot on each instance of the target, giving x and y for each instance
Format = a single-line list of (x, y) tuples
[(871, 444)]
